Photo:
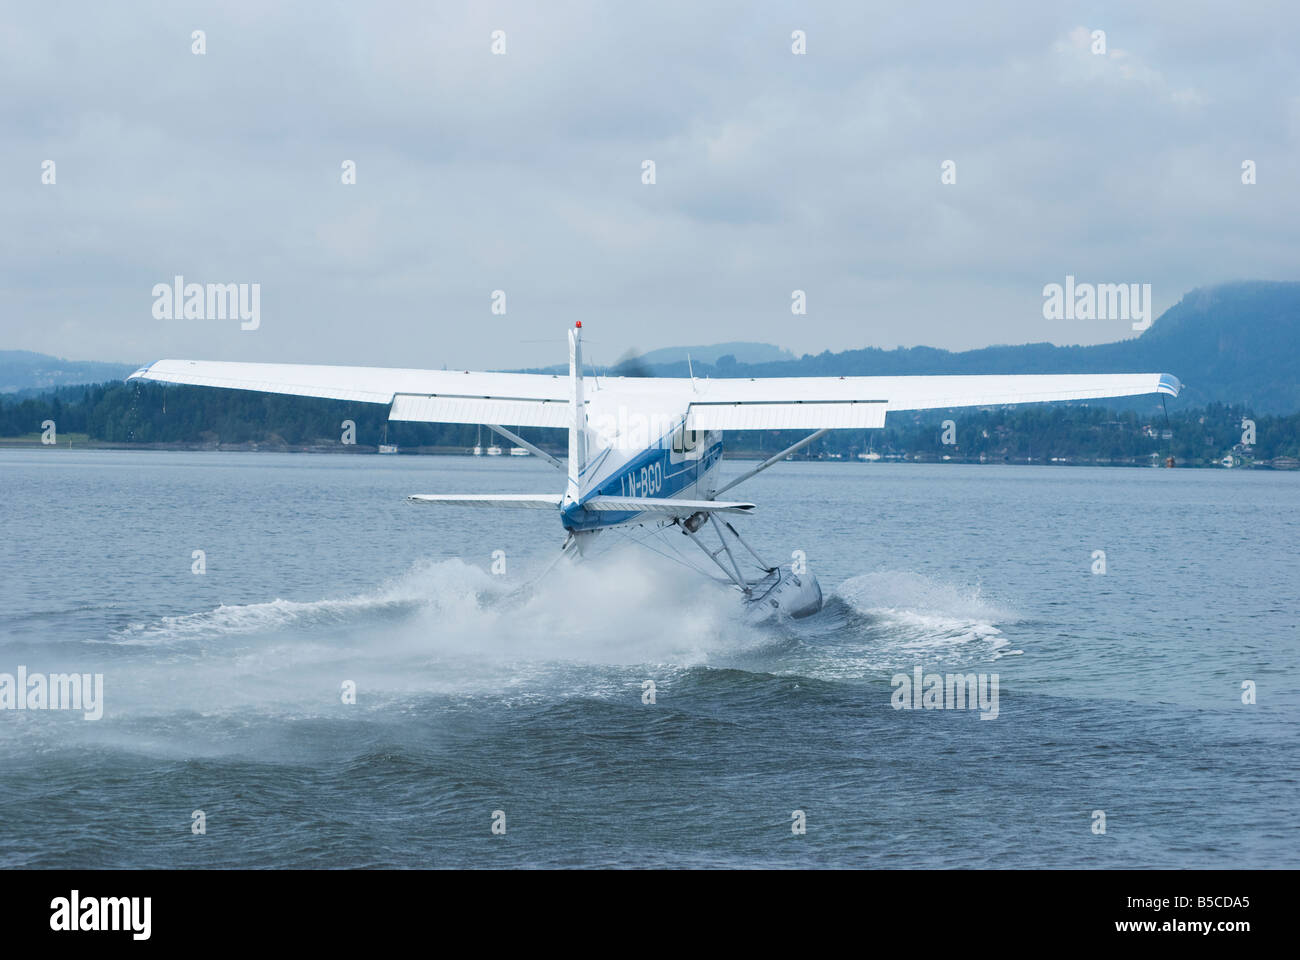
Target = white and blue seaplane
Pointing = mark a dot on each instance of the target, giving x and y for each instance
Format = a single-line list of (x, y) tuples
[(646, 450)]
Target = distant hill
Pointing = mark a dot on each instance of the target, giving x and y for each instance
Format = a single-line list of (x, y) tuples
[(1236, 343), (23, 370), (742, 352), (710, 356)]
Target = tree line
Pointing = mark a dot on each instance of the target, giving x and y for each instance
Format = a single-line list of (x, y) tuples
[(148, 413)]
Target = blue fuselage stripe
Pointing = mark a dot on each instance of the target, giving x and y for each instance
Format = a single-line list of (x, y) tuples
[(651, 473)]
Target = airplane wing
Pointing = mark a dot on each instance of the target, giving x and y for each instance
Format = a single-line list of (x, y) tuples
[(761, 403), (862, 402), (432, 396)]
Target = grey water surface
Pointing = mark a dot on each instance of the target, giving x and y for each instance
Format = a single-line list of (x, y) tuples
[(479, 692)]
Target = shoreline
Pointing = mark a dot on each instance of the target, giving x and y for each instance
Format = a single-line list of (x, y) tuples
[(332, 448)]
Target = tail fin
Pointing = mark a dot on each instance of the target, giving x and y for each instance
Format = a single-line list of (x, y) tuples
[(577, 423)]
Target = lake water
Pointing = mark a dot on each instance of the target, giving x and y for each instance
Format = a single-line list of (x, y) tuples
[(479, 692)]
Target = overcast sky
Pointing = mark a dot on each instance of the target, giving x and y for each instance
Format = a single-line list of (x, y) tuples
[(522, 172)]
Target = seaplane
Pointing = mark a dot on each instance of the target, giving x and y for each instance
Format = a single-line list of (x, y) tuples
[(646, 451)]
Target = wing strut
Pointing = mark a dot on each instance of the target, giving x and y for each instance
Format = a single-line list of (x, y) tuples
[(771, 460), (521, 442)]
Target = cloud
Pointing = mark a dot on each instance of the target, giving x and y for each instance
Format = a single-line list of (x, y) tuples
[(522, 172)]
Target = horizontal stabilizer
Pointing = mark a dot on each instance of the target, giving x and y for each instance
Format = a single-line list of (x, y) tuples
[(673, 508), (523, 501)]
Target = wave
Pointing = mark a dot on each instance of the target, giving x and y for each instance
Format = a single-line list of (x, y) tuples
[(877, 623), (447, 629), (624, 605), (447, 585), (925, 618)]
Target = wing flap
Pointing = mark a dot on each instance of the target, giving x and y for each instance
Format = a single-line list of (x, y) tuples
[(462, 409)]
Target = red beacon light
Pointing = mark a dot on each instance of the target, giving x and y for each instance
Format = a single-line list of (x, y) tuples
[(578, 324)]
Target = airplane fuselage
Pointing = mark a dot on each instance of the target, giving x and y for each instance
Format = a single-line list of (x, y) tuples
[(679, 465)]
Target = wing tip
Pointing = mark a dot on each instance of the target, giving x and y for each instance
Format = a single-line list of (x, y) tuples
[(1169, 384)]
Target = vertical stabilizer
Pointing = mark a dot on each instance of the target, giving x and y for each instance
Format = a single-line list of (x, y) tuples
[(577, 422)]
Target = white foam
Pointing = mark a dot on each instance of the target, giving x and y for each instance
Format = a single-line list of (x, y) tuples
[(906, 592), (593, 629), (448, 585), (909, 619), (444, 628)]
